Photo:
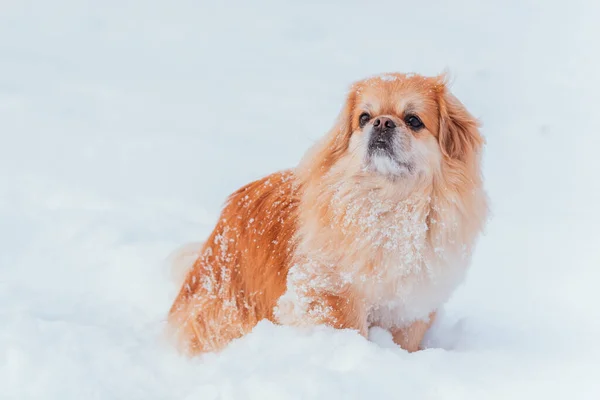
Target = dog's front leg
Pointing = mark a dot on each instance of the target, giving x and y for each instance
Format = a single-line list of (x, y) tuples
[(314, 307), (411, 336)]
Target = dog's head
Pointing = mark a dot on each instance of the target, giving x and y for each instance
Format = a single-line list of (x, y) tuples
[(397, 128)]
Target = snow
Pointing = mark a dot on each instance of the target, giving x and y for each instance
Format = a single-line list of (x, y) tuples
[(125, 124)]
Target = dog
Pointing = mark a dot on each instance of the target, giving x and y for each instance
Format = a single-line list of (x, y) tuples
[(375, 226)]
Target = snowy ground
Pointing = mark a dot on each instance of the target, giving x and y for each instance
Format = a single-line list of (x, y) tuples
[(124, 124)]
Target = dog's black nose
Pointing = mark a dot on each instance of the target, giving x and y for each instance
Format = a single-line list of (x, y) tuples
[(384, 123)]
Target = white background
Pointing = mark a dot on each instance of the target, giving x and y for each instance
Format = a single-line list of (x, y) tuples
[(125, 124)]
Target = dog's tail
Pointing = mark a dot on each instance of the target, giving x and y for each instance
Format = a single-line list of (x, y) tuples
[(181, 261)]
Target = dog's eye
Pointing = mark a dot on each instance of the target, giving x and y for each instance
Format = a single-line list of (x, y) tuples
[(414, 122), (363, 119)]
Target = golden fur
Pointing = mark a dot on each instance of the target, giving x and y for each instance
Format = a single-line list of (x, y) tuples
[(343, 241)]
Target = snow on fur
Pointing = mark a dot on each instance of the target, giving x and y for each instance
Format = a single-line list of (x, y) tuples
[(120, 141)]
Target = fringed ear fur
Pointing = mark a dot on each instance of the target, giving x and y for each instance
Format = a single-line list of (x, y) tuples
[(329, 149), (459, 134)]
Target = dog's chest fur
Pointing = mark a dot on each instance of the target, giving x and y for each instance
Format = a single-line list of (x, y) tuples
[(381, 249)]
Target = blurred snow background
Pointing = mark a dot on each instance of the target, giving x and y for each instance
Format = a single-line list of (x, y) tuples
[(124, 124)]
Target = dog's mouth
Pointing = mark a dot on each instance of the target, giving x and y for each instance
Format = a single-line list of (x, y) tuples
[(384, 161), (380, 143)]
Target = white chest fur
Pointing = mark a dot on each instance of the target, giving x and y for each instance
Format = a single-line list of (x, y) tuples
[(393, 265), (400, 297), (381, 249)]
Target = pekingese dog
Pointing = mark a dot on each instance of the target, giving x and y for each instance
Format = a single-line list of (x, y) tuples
[(374, 227)]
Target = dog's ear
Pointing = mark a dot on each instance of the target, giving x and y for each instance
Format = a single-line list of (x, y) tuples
[(339, 135), (459, 134), (331, 147)]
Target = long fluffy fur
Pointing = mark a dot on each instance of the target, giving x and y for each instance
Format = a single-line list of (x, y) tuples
[(322, 245)]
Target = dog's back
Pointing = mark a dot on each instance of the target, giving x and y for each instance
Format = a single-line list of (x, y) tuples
[(241, 270)]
